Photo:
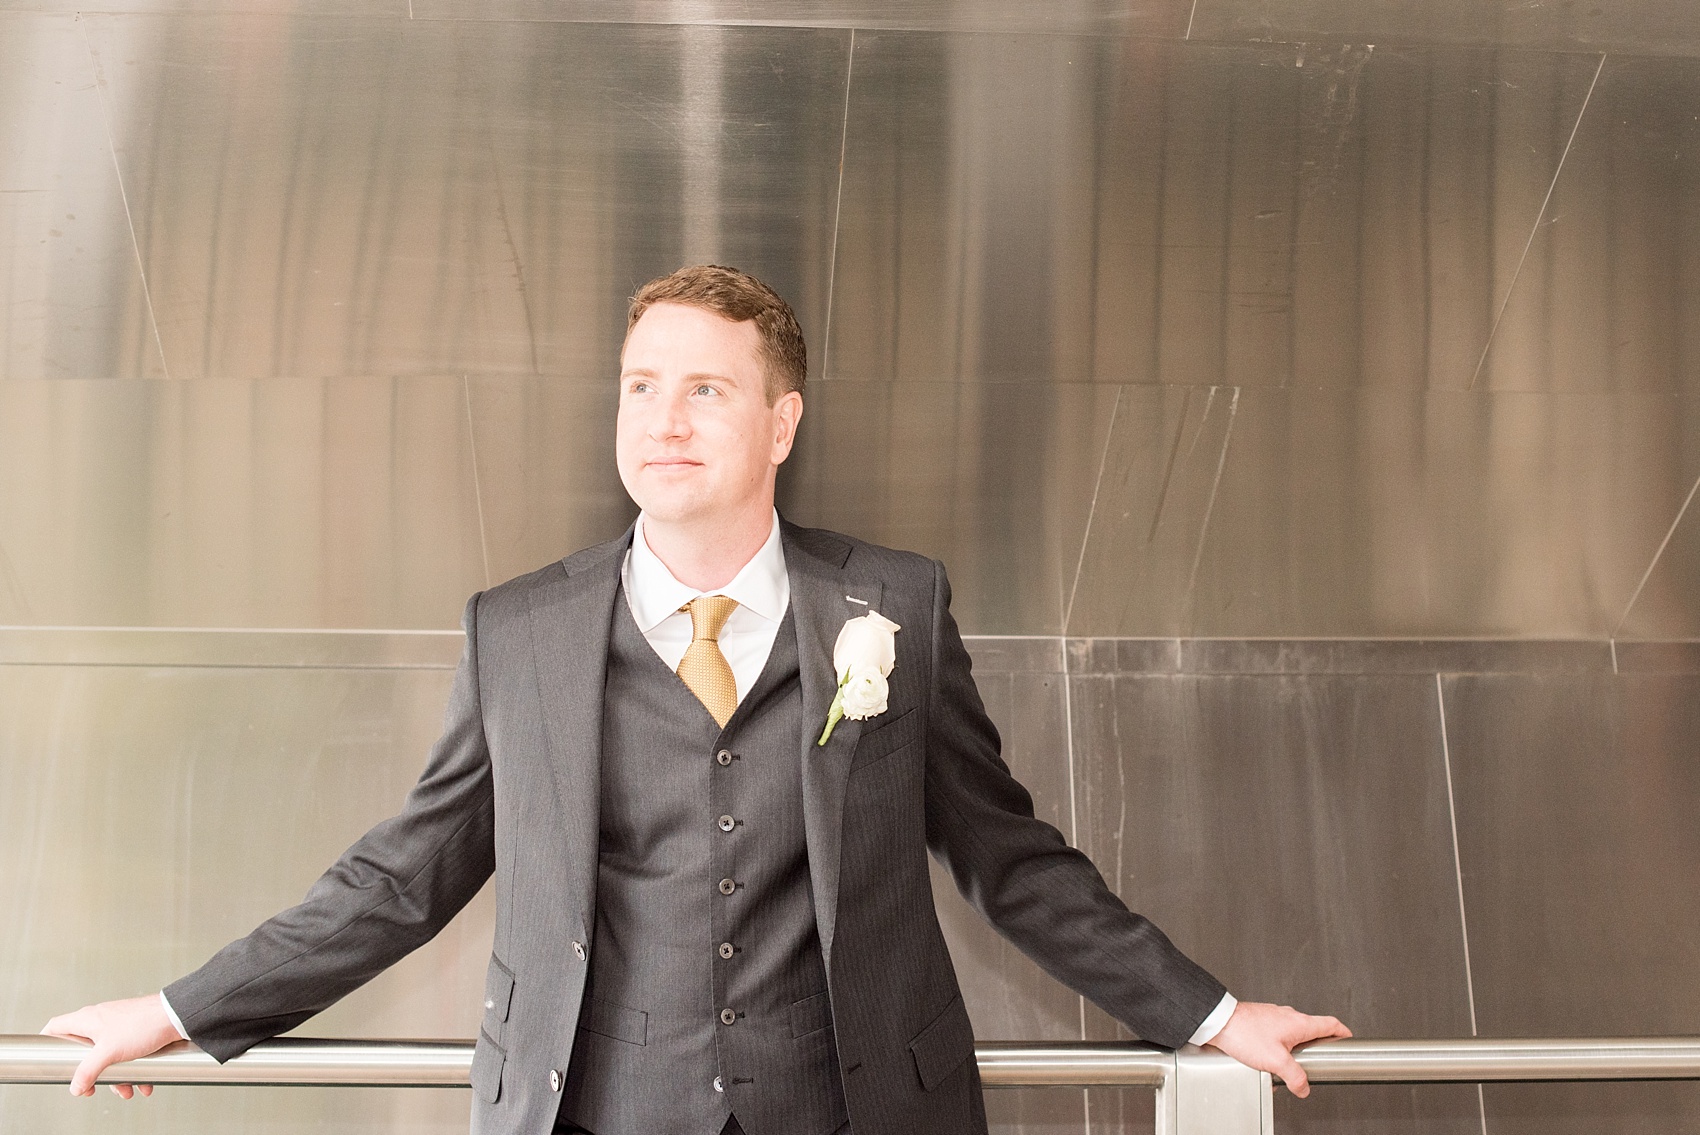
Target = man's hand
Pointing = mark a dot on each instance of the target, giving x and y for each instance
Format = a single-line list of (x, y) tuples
[(119, 1031), (1263, 1037)]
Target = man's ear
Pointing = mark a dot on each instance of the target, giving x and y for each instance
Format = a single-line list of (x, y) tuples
[(787, 414)]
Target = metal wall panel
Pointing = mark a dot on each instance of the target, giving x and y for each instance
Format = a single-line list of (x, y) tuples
[(1292, 833), (1382, 513), (153, 813), (997, 481), (317, 198), (1142, 211), (1609, 294), (1136, 17), (72, 302), (1638, 25), (347, 503), (1576, 802)]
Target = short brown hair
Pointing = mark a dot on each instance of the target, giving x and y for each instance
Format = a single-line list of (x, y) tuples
[(737, 296)]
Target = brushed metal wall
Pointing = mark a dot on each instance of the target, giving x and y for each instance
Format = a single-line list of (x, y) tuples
[(1311, 430)]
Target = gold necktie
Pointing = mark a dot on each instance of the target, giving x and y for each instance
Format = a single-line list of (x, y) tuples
[(703, 668)]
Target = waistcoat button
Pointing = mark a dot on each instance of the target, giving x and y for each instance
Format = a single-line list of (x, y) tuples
[(726, 949), (723, 758), (554, 1080), (578, 948), (727, 886), (718, 1086), (728, 1017), (727, 823)]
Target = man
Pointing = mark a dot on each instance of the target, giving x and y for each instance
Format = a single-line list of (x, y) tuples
[(713, 909)]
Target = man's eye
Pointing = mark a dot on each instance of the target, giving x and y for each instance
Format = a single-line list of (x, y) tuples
[(705, 389)]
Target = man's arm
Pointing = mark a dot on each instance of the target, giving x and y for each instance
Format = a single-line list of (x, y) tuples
[(1051, 901), (387, 895)]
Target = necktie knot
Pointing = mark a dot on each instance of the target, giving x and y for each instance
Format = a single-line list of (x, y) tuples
[(708, 616)]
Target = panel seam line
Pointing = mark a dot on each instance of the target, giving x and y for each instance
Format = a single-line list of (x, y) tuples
[(1534, 230), (838, 206), (1091, 514), (1648, 574), (477, 488), (1458, 874), (124, 197)]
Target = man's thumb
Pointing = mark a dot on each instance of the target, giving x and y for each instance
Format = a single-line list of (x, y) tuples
[(96, 1062)]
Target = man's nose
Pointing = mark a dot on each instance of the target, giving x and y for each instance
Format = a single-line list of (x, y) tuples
[(672, 420)]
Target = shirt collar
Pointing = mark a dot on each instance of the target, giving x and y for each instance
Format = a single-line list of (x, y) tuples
[(654, 594)]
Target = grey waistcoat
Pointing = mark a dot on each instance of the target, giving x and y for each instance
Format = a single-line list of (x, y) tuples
[(673, 952)]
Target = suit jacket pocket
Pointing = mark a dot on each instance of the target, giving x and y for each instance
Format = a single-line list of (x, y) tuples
[(887, 738), (604, 1018), (941, 1047), (498, 991), (488, 1060), (811, 1014)]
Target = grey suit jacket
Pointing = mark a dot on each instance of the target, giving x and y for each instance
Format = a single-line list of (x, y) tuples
[(511, 789)]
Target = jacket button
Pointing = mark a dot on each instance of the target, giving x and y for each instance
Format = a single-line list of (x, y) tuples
[(723, 758), (554, 1080), (728, 1017), (489, 1004), (726, 949), (727, 886), (718, 1086), (578, 949), (727, 823)]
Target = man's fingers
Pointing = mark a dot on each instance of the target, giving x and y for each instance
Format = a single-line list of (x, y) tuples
[(67, 1026), (1293, 1076), (123, 1091), (145, 1089), (82, 1080)]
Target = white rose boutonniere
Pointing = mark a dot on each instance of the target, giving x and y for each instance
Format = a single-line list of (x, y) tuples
[(863, 656)]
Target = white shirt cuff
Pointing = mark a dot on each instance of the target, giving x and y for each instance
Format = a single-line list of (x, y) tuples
[(1214, 1022), (184, 1033)]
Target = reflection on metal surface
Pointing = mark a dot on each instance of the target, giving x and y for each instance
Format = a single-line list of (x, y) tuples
[(1224, 807), (152, 813), (447, 1063), (219, 646), (1606, 299), (312, 1062), (72, 303), (1211, 215), (1590, 1058), (1137, 17), (1381, 513), (1576, 797), (995, 480), (1633, 25), (293, 504), (482, 199)]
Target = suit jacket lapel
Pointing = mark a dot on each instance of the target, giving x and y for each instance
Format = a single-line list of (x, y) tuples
[(822, 597), (571, 617)]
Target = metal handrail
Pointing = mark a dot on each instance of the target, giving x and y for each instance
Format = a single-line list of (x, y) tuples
[(447, 1063)]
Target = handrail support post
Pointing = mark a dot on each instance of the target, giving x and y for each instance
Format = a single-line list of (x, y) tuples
[(1211, 1093)]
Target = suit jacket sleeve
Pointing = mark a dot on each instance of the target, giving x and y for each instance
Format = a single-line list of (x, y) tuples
[(1021, 875), (386, 896)]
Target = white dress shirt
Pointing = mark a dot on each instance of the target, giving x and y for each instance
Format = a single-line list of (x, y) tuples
[(763, 592)]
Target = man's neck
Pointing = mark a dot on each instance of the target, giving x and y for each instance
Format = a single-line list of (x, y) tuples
[(706, 556)]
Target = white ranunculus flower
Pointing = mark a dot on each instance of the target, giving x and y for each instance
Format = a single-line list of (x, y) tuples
[(864, 654), (864, 696), (866, 645)]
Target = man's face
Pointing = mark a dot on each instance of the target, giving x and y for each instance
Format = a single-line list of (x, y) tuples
[(696, 437)]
